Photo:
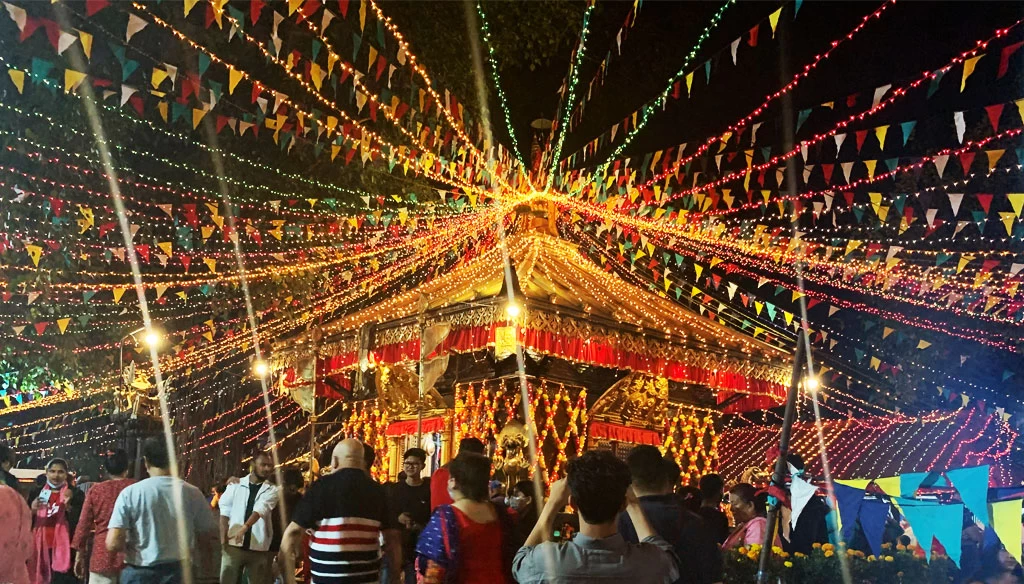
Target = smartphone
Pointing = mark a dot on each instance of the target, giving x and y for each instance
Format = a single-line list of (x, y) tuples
[(44, 495)]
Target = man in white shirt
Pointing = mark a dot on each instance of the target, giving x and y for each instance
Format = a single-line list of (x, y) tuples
[(246, 524)]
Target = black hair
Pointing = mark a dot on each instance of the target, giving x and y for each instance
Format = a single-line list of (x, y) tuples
[(796, 460), (59, 461), (471, 445), (747, 492), (673, 472), (711, 486), (292, 476), (154, 450), (417, 452), (6, 454), (369, 456), (261, 454), (116, 462), (598, 483), (690, 498), (471, 472), (526, 488), (647, 468)]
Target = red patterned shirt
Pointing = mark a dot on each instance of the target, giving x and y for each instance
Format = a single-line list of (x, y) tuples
[(92, 526)]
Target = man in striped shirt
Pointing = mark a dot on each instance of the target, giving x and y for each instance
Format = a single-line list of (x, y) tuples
[(346, 512)]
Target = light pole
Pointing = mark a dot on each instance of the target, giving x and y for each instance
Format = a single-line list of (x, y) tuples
[(151, 339)]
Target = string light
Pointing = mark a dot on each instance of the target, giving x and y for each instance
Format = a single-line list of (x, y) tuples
[(492, 61), (570, 93)]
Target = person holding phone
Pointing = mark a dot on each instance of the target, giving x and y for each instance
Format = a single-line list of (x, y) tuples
[(56, 506)]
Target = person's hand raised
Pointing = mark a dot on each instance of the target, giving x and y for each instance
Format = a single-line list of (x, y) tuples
[(559, 496)]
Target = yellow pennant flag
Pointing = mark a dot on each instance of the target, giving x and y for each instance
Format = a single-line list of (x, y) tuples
[(158, 77), (969, 66), (182, 295), (118, 293), (855, 483), (197, 116), (875, 363), (362, 14), (1016, 201), (72, 79), (35, 252), (293, 5), (689, 83), (889, 485), (18, 78), (211, 263), (1006, 523), (923, 344), (86, 40), (871, 168), (880, 133), (1007, 218), (189, 5), (234, 76), (160, 289), (993, 157), (773, 19), (166, 247), (1020, 108), (62, 324), (162, 108)]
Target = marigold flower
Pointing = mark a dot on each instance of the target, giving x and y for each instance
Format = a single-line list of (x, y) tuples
[(788, 564), (799, 555), (888, 558), (901, 548), (816, 545), (742, 550), (871, 558), (829, 553), (887, 545), (828, 547)]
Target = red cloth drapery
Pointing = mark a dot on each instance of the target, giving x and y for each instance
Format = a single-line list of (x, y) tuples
[(407, 427), (621, 433), (764, 394)]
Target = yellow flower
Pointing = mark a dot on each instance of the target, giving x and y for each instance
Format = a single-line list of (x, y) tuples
[(742, 550), (788, 564), (753, 555), (783, 554), (829, 553), (816, 545), (776, 550), (828, 547), (871, 558), (888, 558), (756, 547), (799, 555), (901, 548), (887, 545)]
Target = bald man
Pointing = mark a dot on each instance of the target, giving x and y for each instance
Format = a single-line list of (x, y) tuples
[(347, 512)]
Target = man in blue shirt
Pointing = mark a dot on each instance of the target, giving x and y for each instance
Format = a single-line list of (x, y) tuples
[(700, 560), (597, 485)]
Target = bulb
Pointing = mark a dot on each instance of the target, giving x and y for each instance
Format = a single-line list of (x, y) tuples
[(513, 310), (152, 339), (260, 368), (811, 384)]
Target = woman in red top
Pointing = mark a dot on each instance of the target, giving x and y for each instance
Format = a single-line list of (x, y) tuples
[(103, 567), (55, 507), (469, 541)]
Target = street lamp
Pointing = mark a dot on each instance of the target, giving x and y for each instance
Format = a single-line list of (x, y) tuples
[(260, 368)]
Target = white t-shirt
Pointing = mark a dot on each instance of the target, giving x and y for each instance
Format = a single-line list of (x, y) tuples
[(147, 512)]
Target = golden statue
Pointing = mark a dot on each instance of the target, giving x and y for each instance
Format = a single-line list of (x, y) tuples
[(398, 389)]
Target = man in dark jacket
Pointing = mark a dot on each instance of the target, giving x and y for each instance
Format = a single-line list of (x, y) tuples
[(700, 560)]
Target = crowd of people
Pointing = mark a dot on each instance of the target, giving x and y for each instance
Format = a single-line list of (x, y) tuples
[(632, 523)]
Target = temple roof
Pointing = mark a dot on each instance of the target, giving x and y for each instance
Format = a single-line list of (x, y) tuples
[(553, 275)]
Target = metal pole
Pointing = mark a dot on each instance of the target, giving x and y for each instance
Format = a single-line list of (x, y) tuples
[(779, 475), (419, 393), (312, 416)]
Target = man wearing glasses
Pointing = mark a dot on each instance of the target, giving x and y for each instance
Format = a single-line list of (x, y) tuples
[(409, 501)]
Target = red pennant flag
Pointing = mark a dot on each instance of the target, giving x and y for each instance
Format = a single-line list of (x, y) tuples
[(343, 8), (675, 91), (994, 112), (1004, 59), (94, 6), (860, 135), (985, 200), (987, 265), (221, 122), (400, 110), (349, 155), (827, 169), (186, 261), (382, 64), (209, 16), (966, 159), (136, 101), (143, 252), (848, 195), (40, 327), (107, 228), (373, 110), (255, 8), (56, 205), (752, 41), (308, 9), (851, 100), (256, 90)]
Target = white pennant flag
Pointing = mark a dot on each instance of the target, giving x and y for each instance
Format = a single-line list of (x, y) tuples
[(65, 41), (735, 46), (800, 492), (847, 167), (126, 92), (879, 93), (839, 138), (961, 126), (954, 202), (940, 164), (753, 133), (135, 24), (328, 17)]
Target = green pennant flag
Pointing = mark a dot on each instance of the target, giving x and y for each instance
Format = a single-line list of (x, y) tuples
[(204, 63)]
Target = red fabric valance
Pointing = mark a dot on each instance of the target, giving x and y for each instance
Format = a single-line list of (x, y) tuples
[(408, 427), (763, 394), (621, 433)]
